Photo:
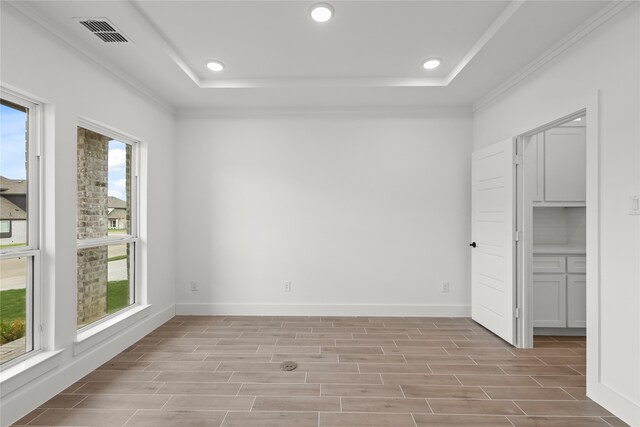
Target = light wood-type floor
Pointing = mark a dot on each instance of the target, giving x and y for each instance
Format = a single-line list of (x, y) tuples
[(352, 371)]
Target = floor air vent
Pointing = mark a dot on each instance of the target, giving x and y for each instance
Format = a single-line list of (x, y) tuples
[(104, 30)]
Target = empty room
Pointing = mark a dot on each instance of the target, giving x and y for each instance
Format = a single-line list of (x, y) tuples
[(328, 214)]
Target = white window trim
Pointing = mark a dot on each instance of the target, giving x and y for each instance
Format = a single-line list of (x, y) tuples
[(84, 335), (89, 336), (34, 315), (39, 363)]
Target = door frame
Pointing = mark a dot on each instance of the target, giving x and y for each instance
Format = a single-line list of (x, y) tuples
[(524, 246)]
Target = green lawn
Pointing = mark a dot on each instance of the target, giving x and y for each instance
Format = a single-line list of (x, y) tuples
[(117, 295), (12, 305), (11, 245), (12, 302)]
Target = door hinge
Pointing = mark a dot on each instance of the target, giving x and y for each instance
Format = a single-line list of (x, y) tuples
[(517, 159), (518, 312), (517, 235)]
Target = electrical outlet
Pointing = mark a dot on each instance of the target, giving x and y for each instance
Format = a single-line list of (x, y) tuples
[(445, 287), (287, 286), (194, 286)]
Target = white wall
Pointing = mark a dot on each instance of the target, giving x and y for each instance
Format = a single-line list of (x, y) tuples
[(559, 226), (608, 60), (364, 214), (43, 67)]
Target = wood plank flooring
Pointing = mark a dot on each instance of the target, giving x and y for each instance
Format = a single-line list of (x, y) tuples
[(352, 371)]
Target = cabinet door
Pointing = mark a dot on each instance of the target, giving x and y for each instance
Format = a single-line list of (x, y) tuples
[(534, 158), (576, 301), (565, 165), (549, 300)]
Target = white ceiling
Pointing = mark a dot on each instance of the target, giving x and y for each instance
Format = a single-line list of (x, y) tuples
[(368, 55), (274, 40)]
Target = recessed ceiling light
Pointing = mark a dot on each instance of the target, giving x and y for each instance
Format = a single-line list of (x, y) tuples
[(431, 63), (321, 12), (578, 119), (216, 66)]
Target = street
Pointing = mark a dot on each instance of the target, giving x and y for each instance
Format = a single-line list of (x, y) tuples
[(13, 271)]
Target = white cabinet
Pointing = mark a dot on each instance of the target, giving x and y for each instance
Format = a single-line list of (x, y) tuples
[(556, 161), (576, 301), (549, 300), (535, 159), (576, 264), (559, 291), (565, 165), (549, 264)]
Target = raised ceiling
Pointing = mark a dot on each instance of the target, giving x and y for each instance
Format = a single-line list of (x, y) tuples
[(265, 40), (368, 55)]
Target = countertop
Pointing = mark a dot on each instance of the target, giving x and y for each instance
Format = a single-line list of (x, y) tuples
[(560, 249)]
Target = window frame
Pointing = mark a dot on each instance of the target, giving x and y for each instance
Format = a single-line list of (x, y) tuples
[(133, 237), (32, 249)]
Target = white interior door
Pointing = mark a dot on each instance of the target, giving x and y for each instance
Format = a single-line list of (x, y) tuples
[(493, 295)]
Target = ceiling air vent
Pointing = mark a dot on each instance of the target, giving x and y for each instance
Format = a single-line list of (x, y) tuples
[(103, 29)]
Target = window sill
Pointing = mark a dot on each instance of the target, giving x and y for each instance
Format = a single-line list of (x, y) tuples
[(28, 370), (92, 336)]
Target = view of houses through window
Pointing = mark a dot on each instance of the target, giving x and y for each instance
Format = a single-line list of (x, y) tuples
[(105, 232), (17, 247)]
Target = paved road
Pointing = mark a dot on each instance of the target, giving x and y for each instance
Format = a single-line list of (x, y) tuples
[(117, 250), (13, 271), (117, 270)]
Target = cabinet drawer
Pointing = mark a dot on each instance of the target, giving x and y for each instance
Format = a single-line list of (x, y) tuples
[(576, 264), (549, 264)]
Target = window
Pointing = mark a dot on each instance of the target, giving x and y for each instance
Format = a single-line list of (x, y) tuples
[(106, 223), (5, 229), (19, 223)]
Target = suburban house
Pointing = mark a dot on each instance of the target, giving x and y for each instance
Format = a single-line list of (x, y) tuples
[(343, 213), (13, 204), (117, 213)]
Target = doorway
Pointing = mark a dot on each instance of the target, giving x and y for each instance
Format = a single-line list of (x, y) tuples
[(551, 245)]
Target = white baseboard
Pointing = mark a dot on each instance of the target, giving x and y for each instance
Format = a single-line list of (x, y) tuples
[(393, 310), (30, 395), (614, 402)]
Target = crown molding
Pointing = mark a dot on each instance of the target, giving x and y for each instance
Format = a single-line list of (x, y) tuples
[(180, 60), (324, 112), (586, 28), (64, 39)]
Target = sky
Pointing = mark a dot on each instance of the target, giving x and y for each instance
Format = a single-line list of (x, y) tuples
[(117, 169), (12, 149), (13, 152)]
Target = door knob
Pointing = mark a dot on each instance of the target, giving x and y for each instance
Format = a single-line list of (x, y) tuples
[(473, 245)]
